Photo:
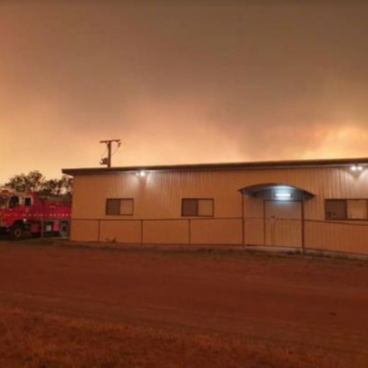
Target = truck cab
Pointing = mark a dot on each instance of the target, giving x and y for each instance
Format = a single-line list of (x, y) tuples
[(19, 201)]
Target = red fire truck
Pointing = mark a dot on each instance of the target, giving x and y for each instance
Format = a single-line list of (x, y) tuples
[(23, 214)]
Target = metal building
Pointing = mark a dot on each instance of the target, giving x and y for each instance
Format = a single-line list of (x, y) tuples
[(314, 204)]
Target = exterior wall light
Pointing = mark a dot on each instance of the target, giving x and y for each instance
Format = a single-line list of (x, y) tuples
[(283, 196), (142, 174), (356, 168)]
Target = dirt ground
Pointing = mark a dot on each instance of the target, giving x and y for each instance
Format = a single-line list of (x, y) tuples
[(71, 306)]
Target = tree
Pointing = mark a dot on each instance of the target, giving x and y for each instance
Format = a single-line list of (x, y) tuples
[(33, 182), (36, 182), (63, 186)]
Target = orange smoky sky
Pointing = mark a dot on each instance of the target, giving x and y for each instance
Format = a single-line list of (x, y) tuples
[(181, 81)]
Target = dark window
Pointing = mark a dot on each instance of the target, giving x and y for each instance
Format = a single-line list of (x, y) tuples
[(120, 207), (189, 207), (197, 207), (336, 209), (113, 207), (14, 202), (3, 202), (346, 209), (28, 202)]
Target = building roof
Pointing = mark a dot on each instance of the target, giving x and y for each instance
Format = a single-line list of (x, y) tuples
[(221, 166)]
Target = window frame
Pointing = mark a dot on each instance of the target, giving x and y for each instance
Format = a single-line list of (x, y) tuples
[(120, 200), (197, 215), (346, 200)]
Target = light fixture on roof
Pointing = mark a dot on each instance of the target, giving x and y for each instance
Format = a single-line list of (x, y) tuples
[(356, 168)]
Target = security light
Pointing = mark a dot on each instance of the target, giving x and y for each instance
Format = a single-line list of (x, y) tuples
[(283, 196), (356, 168), (141, 173)]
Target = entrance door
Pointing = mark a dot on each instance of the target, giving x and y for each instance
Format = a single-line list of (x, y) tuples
[(283, 223)]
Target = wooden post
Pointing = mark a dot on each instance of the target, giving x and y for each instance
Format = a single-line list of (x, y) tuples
[(303, 228), (190, 232), (243, 219), (264, 224), (142, 233), (42, 227), (42, 219), (273, 230), (98, 230)]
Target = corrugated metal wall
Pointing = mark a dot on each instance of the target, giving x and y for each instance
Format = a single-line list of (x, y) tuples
[(158, 197)]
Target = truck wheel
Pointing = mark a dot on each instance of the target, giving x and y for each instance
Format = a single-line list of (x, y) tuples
[(64, 230), (17, 232)]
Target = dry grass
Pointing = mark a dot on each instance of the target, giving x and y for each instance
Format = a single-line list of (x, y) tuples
[(213, 308), (33, 340)]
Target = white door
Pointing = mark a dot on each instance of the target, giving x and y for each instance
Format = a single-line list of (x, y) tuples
[(283, 223)]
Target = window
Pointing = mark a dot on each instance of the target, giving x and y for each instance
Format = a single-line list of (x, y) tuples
[(3, 202), (357, 209), (28, 202), (189, 207), (14, 202), (335, 209), (197, 207), (346, 209), (120, 207)]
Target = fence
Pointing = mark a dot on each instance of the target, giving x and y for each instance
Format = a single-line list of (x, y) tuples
[(312, 235)]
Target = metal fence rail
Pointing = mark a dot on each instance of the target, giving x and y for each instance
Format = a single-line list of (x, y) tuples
[(315, 235)]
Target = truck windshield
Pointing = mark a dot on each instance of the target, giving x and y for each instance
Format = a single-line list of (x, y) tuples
[(3, 202)]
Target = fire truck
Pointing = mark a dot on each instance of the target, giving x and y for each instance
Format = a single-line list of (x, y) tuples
[(30, 214)]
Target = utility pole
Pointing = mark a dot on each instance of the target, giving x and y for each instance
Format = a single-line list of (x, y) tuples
[(109, 144)]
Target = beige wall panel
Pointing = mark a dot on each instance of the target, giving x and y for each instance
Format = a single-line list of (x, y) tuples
[(287, 233), (283, 233), (337, 237), (121, 231), (85, 230), (166, 232), (254, 225), (254, 231), (253, 207), (159, 194), (216, 231)]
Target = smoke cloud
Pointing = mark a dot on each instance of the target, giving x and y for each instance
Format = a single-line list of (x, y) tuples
[(181, 81)]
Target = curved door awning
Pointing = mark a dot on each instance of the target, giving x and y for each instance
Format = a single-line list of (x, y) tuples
[(281, 192)]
